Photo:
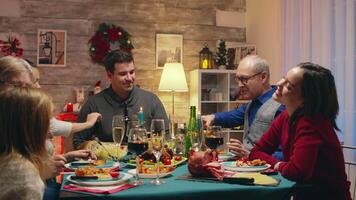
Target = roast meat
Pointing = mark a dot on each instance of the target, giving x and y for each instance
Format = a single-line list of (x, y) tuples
[(204, 164)]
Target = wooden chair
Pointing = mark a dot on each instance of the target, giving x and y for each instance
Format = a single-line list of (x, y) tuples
[(350, 167)]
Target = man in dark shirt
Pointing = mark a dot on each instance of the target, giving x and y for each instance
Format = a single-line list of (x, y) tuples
[(121, 98)]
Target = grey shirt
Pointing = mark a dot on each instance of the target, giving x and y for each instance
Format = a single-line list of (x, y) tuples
[(108, 104)]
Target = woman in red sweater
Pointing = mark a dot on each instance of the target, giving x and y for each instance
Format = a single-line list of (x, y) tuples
[(306, 132)]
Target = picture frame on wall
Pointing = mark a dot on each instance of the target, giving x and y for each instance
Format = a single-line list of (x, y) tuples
[(169, 48), (51, 48), (237, 51)]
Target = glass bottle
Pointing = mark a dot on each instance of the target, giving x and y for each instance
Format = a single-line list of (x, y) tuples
[(191, 129)]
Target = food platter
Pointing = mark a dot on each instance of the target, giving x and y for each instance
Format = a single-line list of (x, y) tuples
[(101, 181), (231, 166), (143, 175), (174, 162), (83, 163)]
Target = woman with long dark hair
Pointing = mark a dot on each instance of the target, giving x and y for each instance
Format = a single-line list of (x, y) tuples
[(306, 132)]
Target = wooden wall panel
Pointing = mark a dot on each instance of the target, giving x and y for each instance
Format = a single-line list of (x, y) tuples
[(195, 19)]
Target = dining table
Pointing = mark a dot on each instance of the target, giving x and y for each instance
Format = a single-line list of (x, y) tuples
[(177, 187)]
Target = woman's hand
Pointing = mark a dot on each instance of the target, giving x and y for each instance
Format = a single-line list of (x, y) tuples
[(84, 154), (237, 148)]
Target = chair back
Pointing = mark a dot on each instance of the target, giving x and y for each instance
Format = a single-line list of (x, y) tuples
[(350, 167)]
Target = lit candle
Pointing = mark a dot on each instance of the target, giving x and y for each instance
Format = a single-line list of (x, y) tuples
[(205, 64), (69, 107), (140, 117)]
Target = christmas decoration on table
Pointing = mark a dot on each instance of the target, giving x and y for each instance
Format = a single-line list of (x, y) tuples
[(108, 37), (11, 47), (221, 56)]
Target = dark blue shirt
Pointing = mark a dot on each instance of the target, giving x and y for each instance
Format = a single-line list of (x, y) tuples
[(236, 117)]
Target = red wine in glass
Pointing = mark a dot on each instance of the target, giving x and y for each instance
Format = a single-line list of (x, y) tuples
[(214, 142), (137, 147)]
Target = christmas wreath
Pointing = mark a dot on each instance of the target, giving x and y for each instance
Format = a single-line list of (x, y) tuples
[(108, 38), (11, 47)]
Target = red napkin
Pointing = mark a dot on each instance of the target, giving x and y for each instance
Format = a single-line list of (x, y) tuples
[(99, 190)]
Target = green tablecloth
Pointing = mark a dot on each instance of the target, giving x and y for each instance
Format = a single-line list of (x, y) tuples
[(184, 189)]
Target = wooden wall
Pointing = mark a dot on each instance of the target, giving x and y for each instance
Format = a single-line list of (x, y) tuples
[(195, 19)]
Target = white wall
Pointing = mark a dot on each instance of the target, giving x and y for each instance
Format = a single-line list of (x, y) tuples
[(264, 29)]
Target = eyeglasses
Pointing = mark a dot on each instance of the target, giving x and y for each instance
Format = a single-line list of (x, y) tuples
[(244, 79)]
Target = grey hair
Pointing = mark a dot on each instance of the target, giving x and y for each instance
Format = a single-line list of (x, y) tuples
[(260, 64), (12, 66)]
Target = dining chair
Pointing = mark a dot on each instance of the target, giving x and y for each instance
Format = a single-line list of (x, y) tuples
[(350, 167)]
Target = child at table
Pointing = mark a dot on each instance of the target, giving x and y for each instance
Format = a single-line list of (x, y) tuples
[(306, 132), (24, 161)]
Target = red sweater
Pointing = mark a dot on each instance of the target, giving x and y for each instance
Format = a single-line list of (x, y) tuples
[(312, 154)]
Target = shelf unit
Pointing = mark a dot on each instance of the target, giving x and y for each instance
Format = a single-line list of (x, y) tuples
[(213, 91)]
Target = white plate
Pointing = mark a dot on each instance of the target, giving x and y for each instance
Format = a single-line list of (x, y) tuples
[(108, 164), (231, 166), (101, 182), (133, 172)]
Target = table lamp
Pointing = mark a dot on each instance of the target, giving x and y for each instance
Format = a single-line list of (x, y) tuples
[(173, 80)]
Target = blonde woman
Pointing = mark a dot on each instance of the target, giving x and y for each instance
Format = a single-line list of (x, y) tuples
[(24, 162), (24, 73)]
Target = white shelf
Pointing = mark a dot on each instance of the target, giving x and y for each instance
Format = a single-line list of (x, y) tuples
[(213, 90)]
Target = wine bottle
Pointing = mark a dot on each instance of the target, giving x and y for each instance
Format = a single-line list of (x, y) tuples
[(191, 130)]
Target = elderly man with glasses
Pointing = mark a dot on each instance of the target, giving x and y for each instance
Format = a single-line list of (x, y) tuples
[(252, 77)]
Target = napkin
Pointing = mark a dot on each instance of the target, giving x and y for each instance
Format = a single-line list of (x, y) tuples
[(98, 189), (260, 179)]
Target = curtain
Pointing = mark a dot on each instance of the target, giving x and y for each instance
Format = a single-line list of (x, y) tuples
[(323, 32)]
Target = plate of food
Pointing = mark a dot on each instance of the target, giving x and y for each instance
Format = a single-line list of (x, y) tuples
[(91, 176), (150, 171), (244, 165), (167, 158), (93, 163)]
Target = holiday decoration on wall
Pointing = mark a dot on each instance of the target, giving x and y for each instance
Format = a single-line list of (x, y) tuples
[(108, 37), (11, 47), (221, 55)]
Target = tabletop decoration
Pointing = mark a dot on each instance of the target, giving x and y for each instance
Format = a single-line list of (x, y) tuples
[(108, 37), (11, 47)]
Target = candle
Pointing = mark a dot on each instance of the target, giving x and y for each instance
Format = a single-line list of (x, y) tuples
[(69, 107), (205, 64), (140, 117)]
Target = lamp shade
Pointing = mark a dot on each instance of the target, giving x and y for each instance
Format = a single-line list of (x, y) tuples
[(173, 78)]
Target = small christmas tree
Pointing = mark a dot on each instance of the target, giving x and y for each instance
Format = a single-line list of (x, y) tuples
[(221, 55)]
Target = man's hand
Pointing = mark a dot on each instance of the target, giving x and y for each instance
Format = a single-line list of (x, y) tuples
[(92, 118), (208, 120), (85, 154), (237, 148)]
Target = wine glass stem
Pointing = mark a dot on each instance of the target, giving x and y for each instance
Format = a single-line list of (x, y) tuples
[(117, 151), (157, 163)]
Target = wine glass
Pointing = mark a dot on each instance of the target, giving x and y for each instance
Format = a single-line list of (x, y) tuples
[(214, 137), (157, 143), (137, 144), (196, 138), (118, 132)]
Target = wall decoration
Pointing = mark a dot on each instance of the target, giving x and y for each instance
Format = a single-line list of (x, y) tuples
[(237, 51), (108, 37), (11, 47), (51, 48), (169, 48)]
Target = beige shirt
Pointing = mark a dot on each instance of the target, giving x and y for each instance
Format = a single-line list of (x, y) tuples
[(20, 180)]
